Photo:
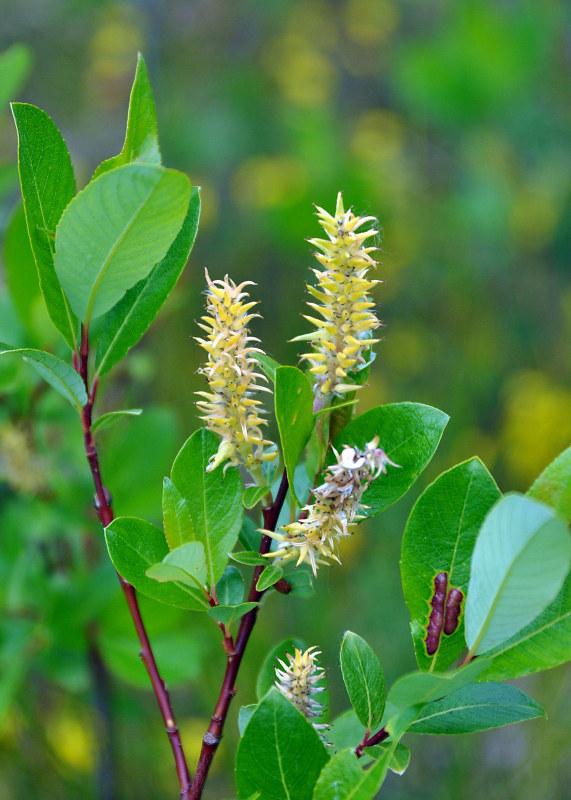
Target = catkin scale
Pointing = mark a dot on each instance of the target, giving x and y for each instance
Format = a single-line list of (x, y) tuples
[(436, 620)]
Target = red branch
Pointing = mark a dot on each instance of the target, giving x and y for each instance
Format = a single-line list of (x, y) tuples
[(105, 514), (212, 737)]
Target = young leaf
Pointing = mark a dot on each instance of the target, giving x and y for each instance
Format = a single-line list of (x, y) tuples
[(48, 185), (268, 365), (266, 761), (409, 434), (439, 537), (177, 520), (131, 317), (267, 674), (109, 419), (253, 494), (56, 372), (543, 644), (520, 561), (214, 499), (229, 614), (364, 680), (230, 588), (117, 228), (294, 415), (477, 707), (15, 63), (269, 576), (135, 545), (553, 487), (141, 139), (250, 558), (185, 563), (343, 779)]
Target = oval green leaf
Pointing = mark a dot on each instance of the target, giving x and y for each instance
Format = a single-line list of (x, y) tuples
[(553, 487), (60, 375), (109, 419), (294, 414), (364, 680), (230, 588), (520, 561), (177, 521), (114, 232), (269, 576)]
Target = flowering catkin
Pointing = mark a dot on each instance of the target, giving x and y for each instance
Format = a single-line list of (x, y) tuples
[(229, 409), (297, 681), (333, 515), (343, 335)]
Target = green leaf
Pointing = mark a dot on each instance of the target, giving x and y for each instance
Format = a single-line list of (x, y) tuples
[(409, 434), (48, 185), (343, 779), (400, 757), (129, 320), (268, 365), (543, 644), (244, 716), (56, 372), (294, 414), (177, 521), (229, 614), (20, 269), (269, 576), (230, 588), (141, 139), (250, 558), (439, 537), (117, 228), (109, 419), (186, 564), (135, 545), (409, 694), (253, 494), (553, 487), (364, 680), (301, 583), (15, 64), (267, 674), (249, 537), (214, 499), (477, 707), (280, 754), (520, 561)]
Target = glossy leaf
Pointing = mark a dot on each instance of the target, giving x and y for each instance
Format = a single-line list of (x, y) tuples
[(214, 499), (48, 185), (142, 139), (409, 434), (269, 576), (117, 228), (60, 375), (126, 323), (109, 419), (186, 564), (343, 779), (15, 64), (249, 558), (253, 494), (229, 614), (553, 487), (268, 365), (477, 707), (364, 680), (520, 562), (249, 537), (177, 521), (267, 674), (280, 754), (230, 588), (294, 414), (543, 644), (439, 537), (135, 545)]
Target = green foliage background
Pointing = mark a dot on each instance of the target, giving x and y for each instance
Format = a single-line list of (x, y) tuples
[(448, 122)]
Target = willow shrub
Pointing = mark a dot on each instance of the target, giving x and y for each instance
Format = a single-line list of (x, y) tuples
[(484, 575)]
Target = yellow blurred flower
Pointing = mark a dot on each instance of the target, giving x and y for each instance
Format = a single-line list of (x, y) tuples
[(268, 182)]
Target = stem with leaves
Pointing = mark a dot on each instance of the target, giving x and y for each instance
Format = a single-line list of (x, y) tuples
[(212, 737), (105, 514)]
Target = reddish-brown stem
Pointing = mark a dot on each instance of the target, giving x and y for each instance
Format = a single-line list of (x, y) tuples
[(105, 514), (369, 741), (212, 737)]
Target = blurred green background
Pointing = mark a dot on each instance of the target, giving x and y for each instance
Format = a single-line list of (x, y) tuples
[(446, 120)]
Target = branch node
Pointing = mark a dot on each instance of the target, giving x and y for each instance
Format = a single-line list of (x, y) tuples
[(210, 739)]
